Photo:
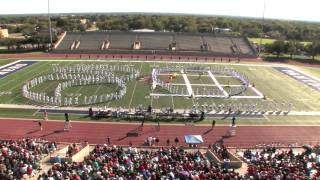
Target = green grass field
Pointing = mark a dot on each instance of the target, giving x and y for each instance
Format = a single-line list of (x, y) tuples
[(4, 62), (268, 41), (275, 85), (311, 70)]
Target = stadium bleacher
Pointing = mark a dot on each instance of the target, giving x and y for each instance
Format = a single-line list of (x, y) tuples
[(156, 41), (68, 40), (188, 42), (121, 40), (93, 42), (219, 44), (242, 44)]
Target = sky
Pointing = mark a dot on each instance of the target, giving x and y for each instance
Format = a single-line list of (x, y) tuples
[(306, 10)]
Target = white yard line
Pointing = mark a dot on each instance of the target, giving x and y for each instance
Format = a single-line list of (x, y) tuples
[(218, 84), (169, 95), (256, 91), (155, 85), (207, 85), (246, 97), (107, 106), (37, 111), (196, 75), (134, 89), (95, 92), (172, 102), (186, 80)]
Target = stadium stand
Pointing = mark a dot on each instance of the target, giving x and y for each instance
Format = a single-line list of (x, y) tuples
[(121, 40), (92, 42), (219, 44), (165, 43), (28, 158), (242, 45), (155, 41), (188, 42), (111, 162), (67, 42), (20, 159), (273, 163)]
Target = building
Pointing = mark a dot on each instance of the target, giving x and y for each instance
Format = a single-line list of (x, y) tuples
[(4, 33), (83, 21)]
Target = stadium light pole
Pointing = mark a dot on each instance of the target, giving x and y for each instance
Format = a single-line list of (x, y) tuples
[(262, 26), (50, 31)]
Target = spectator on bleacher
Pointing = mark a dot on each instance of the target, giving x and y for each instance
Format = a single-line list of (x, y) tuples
[(106, 162), (21, 159), (270, 163)]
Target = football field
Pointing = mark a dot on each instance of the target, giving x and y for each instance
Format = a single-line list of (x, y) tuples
[(274, 85)]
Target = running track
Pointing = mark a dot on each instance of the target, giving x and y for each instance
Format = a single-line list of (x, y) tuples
[(96, 133)]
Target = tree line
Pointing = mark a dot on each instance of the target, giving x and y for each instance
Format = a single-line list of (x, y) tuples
[(35, 28), (293, 48)]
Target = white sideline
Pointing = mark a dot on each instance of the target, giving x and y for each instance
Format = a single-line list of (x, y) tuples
[(218, 84), (305, 73), (114, 60), (16, 106), (6, 65)]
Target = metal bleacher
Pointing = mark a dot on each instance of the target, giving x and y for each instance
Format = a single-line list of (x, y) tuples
[(68, 40), (92, 42), (188, 42), (242, 45), (155, 42), (219, 44), (121, 40)]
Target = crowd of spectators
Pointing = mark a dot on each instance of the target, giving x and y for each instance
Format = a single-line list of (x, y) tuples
[(106, 162), (73, 149), (281, 163), (220, 150), (21, 158)]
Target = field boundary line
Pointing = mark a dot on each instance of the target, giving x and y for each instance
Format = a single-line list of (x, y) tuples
[(182, 62), (6, 65), (134, 89), (218, 84)]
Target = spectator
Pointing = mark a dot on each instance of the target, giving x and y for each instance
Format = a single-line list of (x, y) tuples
[(176, 140), (21, 159), (106, 162)]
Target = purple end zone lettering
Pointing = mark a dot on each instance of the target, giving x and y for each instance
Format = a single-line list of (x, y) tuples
[(309, 81), (5, 71)]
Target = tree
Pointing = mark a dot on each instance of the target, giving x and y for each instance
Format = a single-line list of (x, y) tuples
[(291, 48), (313, 49), (278, 47)]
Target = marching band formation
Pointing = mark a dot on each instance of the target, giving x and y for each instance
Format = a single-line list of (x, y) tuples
[(204, 91), (81, 75)]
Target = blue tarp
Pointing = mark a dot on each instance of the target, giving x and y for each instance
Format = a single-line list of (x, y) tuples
[(193, 139)]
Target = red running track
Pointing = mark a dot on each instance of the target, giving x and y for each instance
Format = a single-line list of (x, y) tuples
[(96, 133)]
